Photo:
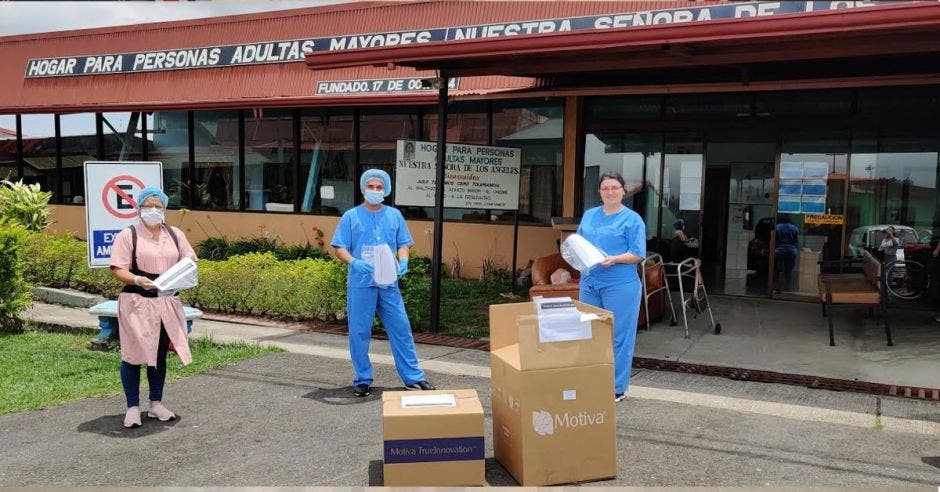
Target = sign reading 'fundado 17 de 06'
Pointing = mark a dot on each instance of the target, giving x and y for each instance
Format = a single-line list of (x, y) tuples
[(475, 176)]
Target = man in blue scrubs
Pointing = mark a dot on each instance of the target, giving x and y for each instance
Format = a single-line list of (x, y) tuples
[(360, 229)]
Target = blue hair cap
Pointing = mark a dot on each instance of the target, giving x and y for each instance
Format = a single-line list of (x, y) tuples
[(149, 192), (376, 174)]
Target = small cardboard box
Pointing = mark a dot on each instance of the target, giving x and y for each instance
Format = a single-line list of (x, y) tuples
[(553, 403), (426, 444)]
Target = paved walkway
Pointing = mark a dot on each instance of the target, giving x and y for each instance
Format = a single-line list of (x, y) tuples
[(290, 420), (762, 335)]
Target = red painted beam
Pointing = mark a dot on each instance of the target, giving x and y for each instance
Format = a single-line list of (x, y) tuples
[(451, 54)]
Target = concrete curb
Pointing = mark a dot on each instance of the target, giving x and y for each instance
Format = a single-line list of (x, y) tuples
[(66, 297)]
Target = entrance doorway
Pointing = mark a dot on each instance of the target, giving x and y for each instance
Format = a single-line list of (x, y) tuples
[(738, 218)]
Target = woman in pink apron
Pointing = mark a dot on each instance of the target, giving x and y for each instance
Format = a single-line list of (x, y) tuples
[(148, 322)]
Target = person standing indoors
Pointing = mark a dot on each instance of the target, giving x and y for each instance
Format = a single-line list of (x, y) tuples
[(148, 322), (615, 284), (786, 249), (364, 231)]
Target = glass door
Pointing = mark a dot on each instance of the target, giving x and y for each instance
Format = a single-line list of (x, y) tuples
[(811, 189)]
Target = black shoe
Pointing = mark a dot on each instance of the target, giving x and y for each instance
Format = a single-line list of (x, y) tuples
[(421, 386), (100, 345), (619, 397), (362, 390)]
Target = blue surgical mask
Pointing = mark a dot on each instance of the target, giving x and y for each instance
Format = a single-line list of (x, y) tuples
[(374, 197)]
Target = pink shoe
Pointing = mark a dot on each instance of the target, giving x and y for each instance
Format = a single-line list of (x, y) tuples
[(158, 411), (132, 417)]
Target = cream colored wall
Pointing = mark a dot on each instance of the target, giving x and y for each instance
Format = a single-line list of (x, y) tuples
[(465, 243)]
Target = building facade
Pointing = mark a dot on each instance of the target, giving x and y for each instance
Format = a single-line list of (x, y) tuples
[(726, 115)]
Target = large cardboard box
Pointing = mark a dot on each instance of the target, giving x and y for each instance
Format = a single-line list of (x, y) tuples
[(433, 445), (553, 403)]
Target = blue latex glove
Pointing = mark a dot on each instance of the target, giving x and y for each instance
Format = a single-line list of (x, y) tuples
[(361, 267), (402, 266)]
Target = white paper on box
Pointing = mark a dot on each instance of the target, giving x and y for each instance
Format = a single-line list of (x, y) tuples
[(568, 395), (182, 275), (560, 321), (429, 401)]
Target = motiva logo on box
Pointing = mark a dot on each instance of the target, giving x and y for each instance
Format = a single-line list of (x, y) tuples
[(544, 423)]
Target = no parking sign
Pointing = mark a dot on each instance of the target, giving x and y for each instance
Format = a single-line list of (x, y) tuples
[(112, 188)]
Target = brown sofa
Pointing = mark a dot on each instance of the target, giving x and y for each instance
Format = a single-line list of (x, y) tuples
[(542, 269)]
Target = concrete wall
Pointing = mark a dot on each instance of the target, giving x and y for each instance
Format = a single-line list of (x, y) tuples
[(466, 243)]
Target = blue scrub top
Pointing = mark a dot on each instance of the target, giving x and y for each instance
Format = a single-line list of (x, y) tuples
[(617, 233), (359, 227), (787, 237)]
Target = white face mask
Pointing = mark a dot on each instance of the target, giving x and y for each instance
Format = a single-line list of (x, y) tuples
[(151, 216)]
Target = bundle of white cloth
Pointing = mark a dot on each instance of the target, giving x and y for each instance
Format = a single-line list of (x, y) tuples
[(581, 254)]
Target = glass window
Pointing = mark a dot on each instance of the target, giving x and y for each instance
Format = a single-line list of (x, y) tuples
[(811, 181), (217, 174), (466, 123), (893, 182), (327, 158), (708, 105), (269, 153), (601, 109), (379, 131), (637, 156), (170, 133), (121, 141), (79, 144), (7, 147), (536, 128), (682, 192), (39, 153)]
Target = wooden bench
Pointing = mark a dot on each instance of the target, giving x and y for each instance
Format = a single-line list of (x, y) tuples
[(864, 289)]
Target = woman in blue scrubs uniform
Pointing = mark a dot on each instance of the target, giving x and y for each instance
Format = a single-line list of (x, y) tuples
[(374, 224), (615, 285)]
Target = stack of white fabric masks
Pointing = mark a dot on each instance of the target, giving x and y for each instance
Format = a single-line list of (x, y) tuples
[(385, 269), (581, 254)]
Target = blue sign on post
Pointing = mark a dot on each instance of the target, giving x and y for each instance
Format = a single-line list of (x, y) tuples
[(101, 243)]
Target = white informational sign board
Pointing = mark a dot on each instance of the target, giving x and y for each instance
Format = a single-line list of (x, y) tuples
[(111, 190), (477, 176)]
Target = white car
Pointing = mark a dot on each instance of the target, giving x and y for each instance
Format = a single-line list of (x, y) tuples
[(869, 237)]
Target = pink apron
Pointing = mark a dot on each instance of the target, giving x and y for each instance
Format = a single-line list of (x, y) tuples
[(139, 317)]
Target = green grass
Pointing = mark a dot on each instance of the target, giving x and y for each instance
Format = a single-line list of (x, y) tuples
[(39, 369), (465, 306)]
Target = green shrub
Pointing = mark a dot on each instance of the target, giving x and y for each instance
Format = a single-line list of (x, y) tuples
[(60, 260), (218, 249), (416, 292), (212, 248), (14, 290), (257, 283), (24, 205)]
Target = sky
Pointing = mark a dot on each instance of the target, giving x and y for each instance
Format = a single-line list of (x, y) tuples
[(34, 17)]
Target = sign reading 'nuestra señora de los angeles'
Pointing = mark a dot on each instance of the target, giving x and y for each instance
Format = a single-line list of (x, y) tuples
[(284, 51)]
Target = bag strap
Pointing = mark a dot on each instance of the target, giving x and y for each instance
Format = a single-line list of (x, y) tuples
[(169, 230)]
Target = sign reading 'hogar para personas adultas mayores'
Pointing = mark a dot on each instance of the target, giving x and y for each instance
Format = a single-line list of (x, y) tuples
[(475, 176)]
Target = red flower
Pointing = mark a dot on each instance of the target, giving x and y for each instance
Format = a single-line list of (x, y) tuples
[(320, 242)]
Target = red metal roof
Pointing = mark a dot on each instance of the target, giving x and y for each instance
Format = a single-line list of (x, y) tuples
[(282, 84), (910, 27)]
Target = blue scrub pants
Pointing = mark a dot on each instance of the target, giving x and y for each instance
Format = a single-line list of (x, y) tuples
[(623, 299), (361, 305)]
